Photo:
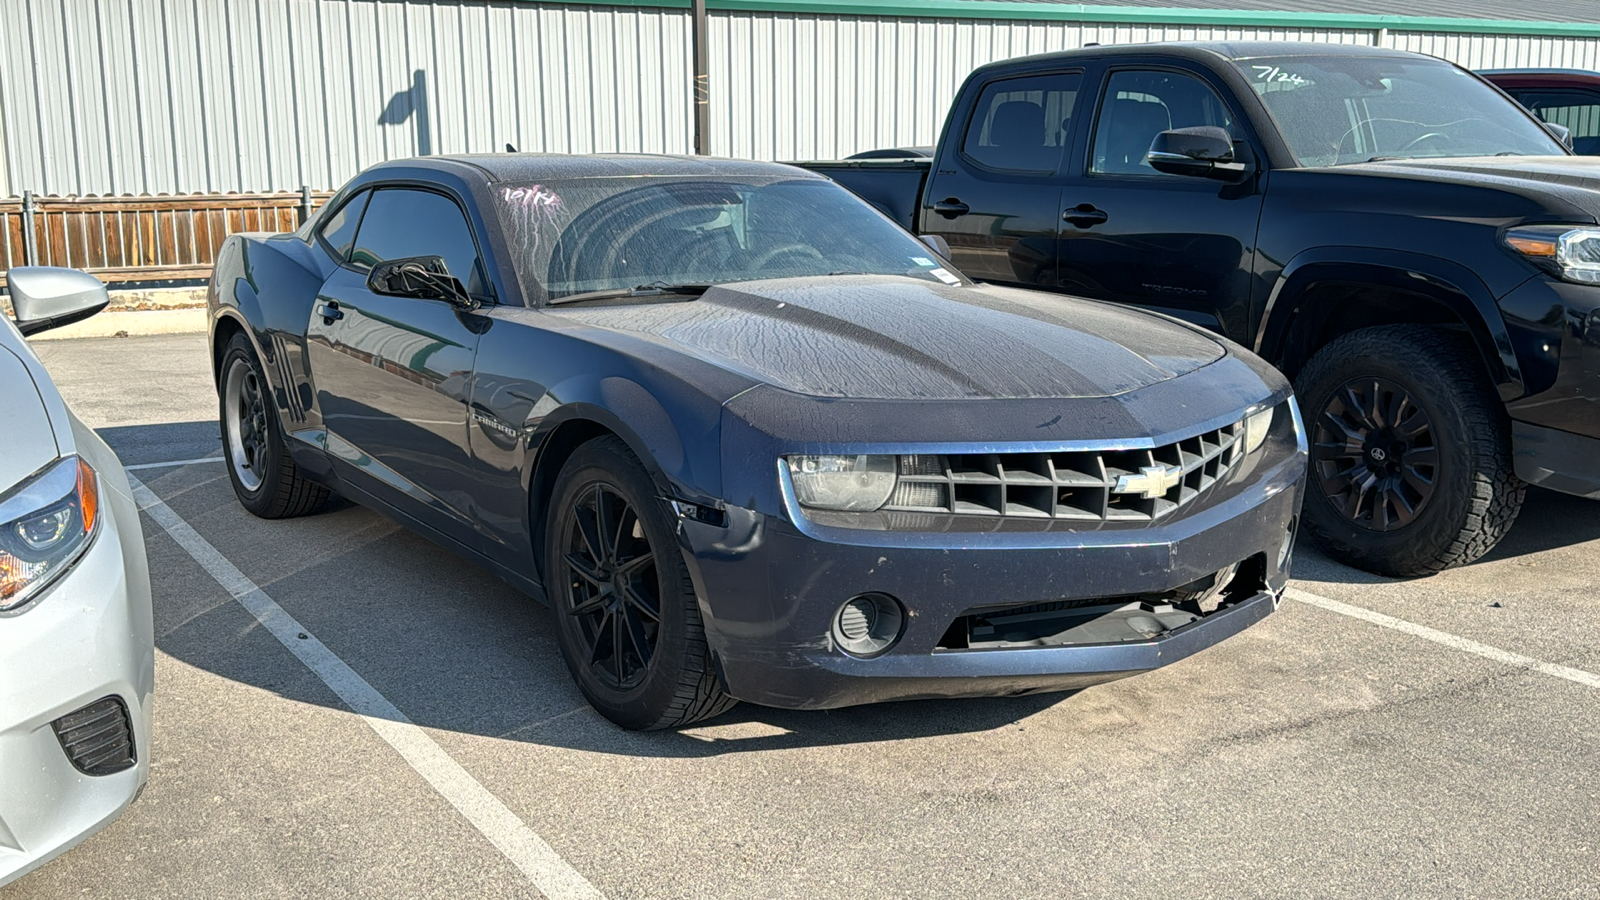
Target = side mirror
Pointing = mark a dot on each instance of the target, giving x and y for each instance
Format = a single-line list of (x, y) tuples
[(937, 244), (420, 277), (1562, 133), (46, 297), (1204, 151)]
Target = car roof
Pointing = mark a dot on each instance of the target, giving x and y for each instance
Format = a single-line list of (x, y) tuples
[(1580, 73), (518, 167), (1211, 51)]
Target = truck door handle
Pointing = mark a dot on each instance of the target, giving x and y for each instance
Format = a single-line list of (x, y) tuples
[(950, 208), (1084, 215), (329, 311)]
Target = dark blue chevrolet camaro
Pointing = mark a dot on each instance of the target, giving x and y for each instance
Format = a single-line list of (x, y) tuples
[(749, 439)]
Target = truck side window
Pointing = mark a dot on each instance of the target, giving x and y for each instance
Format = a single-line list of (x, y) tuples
[(1578, 110), (1137, 106), (1021, 124)]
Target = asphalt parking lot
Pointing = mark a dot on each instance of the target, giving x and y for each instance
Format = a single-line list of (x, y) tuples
[(1373, 737)]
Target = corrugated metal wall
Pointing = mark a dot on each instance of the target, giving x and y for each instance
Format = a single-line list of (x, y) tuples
[(821, 87), (151, 96), (167, 96)]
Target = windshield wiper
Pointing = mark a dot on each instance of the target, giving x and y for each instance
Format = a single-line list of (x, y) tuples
[(654, 289)]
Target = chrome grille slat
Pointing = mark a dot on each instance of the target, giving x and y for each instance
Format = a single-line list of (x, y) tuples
[(1066, 485)]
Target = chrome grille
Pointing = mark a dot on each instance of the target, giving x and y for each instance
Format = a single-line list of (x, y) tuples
[(1090, 486)]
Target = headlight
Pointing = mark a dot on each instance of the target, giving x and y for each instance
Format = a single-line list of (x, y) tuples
[(1256, 426), (1573, 253), (858, 483), (44, 525)]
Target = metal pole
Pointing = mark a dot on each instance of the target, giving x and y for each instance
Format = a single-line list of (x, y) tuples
[(30, 241), (305, 203), (702, 90)]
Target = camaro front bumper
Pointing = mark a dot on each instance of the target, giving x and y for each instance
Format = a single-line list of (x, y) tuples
[(87, 638), (770, 589)]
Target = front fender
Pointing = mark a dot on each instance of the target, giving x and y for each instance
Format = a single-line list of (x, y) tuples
[(1281, 336)]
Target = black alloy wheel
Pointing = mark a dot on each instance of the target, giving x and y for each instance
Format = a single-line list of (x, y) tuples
[(1411, 468), (627, 617), (265, 477), (612, 588), (1372, 447)]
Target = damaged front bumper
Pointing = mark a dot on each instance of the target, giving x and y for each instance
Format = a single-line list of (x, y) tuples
[(985, 614)]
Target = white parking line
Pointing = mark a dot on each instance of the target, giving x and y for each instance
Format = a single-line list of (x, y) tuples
[(1456, 642), (175, 462), (552, 875)]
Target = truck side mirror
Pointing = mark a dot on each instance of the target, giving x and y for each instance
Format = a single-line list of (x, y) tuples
[(45, 297), (1203, 151)]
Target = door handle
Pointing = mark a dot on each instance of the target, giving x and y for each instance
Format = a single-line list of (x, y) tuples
[(329, 311), (951, 207), (1084, 215)]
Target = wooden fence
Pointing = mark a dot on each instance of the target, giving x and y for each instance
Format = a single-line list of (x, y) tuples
[(132, 239)]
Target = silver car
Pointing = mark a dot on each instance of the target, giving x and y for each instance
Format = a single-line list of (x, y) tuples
[(77, 649)]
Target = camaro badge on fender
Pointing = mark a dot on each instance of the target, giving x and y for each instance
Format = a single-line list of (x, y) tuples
[(1151, 482)]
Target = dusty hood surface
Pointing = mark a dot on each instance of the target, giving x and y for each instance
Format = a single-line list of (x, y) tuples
[(885, 337), (1573, 179)]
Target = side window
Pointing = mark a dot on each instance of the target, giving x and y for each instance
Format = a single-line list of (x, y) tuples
[(340, 230), (401, 222), (1137, 106), (1578, 110), (1022, 124)]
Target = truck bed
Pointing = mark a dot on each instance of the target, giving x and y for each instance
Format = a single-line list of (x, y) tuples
[(894, 186)]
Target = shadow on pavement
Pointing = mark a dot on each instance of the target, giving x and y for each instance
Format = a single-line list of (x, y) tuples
[(168, 441), (448, 643)]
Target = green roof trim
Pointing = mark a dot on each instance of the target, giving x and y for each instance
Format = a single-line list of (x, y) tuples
[(1094, 14)]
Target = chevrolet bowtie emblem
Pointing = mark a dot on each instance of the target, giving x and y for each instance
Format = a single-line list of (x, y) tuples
[(1152, 481)]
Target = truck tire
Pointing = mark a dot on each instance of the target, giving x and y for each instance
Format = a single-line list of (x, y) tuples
[(627, 619), (264, 476), (1411, 468)]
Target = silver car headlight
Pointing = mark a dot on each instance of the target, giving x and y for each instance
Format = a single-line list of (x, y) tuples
[(1569, 251), (45, 524), (854, 483)]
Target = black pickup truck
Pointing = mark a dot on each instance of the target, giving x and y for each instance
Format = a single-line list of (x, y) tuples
[(1409, 245)]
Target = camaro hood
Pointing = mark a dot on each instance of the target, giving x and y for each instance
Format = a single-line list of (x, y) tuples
[(887, 337)]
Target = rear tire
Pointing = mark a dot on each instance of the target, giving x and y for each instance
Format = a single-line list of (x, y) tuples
[(264, 476), (626, 614), (1411, 468)]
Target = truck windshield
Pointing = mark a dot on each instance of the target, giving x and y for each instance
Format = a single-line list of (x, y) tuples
[(616, 234), (1333, 111)]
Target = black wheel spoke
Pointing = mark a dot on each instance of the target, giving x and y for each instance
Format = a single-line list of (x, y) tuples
[(610, 586), (639, 603), (1374, 453)]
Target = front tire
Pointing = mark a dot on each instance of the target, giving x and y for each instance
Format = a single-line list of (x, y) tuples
[(1411, 469), (626, 615), (265, 478)]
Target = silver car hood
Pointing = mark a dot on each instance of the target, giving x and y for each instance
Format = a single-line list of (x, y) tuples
[(29, 443)]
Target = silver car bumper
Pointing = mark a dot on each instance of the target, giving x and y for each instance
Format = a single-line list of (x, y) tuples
[(88, 637)]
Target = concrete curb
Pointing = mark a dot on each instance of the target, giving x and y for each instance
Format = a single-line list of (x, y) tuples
[(129, 323), (136, 312)]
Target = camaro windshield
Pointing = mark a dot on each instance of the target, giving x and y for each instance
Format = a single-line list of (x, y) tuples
[(577, 236), (1334, 111)]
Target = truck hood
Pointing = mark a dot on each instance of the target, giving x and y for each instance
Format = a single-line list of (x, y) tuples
[(1573, 179), (889, 337)]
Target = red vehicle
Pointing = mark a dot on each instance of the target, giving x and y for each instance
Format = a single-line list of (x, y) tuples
[(1566, 97)]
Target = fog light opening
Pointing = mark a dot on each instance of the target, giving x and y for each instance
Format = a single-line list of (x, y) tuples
[(868, 625)]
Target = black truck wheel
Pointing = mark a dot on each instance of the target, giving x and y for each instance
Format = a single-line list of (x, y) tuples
[(265, 478), (1410, 451), (626, 615)]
